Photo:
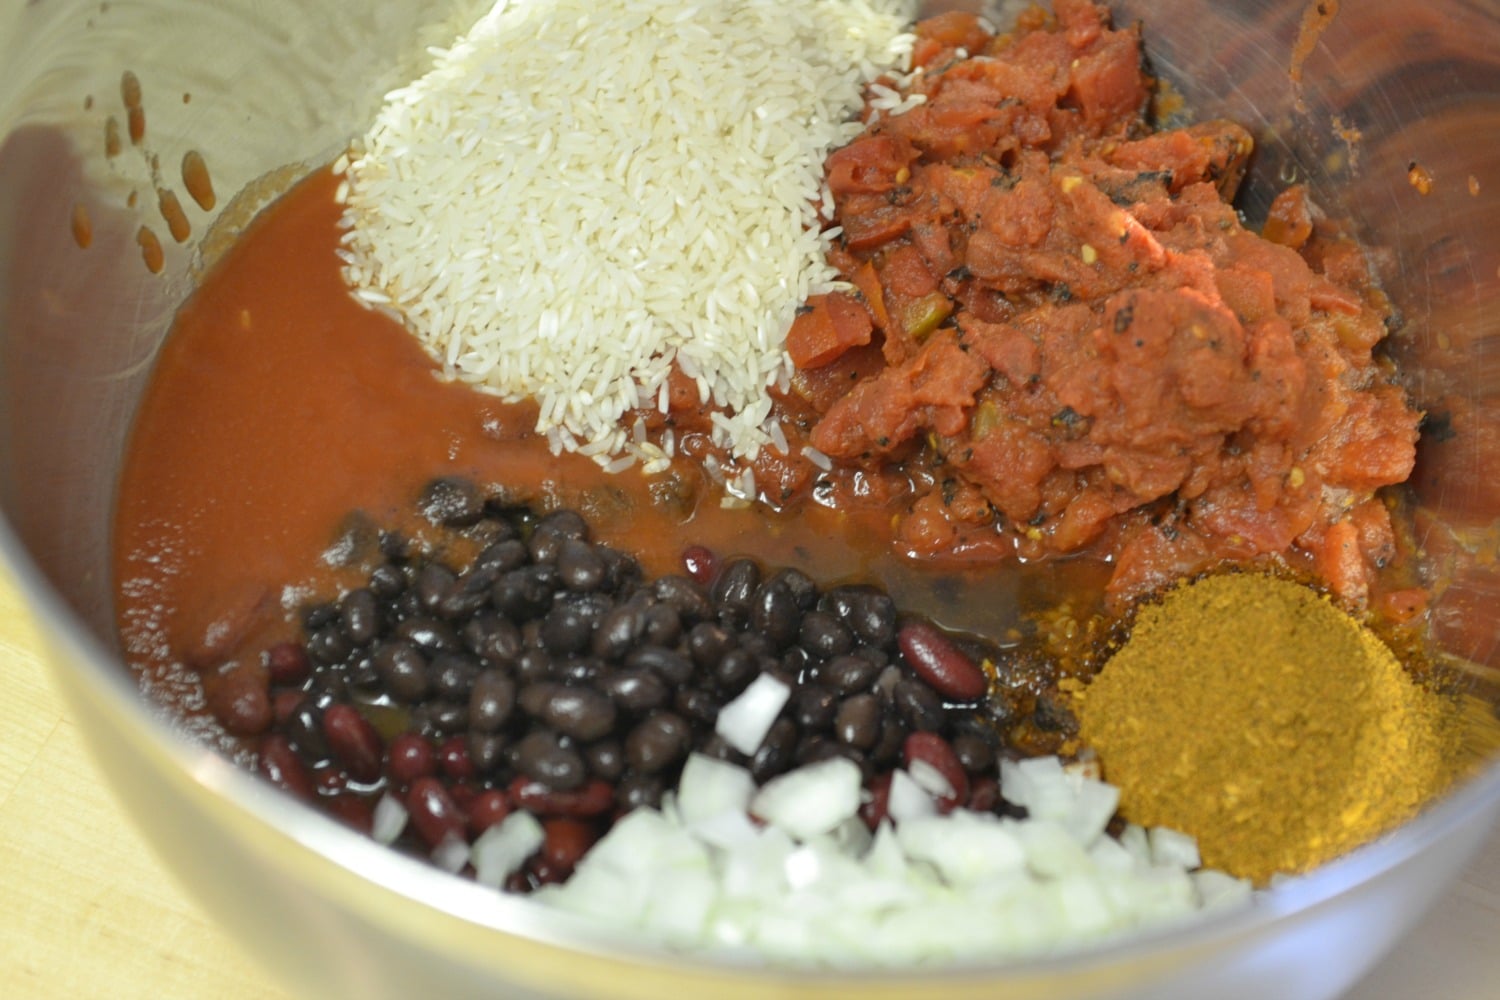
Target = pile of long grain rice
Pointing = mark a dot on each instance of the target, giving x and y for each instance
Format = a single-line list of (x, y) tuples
[(578, 194)]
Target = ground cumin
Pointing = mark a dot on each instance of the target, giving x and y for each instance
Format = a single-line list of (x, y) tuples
[(1255, 715)]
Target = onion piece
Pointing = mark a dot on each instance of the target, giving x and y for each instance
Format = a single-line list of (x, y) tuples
[(1172, 848), (908, 800), (451, 853), (710, 788), (744, 722), (389, 819), (810, 800), (504, 848)]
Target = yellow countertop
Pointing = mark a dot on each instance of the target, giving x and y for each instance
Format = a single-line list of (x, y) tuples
[(90, 913)]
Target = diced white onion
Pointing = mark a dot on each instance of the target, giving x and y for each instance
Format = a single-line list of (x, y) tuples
[(908, 800), (812, 799), (813, 887), (389, 819), (451, 853), (504, 848), (745, 721)]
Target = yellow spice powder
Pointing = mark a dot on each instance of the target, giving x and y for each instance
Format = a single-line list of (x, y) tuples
[(1254, 714)]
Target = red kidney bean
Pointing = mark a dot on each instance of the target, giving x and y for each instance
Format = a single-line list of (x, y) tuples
[(329, 779), (935, 659), (353, 741), (464, 795), (700, 564), (240, 698), (564, 842), (878, 806), (594, 798), (434, 814), (932, 749), (353, 810), (453, 757), (488, 808), (284, 704), (287, 664), (984, 796), (410, 757), (280, 765)]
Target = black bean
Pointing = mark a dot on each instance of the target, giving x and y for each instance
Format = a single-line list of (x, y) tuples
[(618, 630), (683, 594), (430, 635), (468, 595), (697, 704), (638, 791), (858, 721), (451, 676), (814, 747), (502, 556), (918, 705), (493, 639), (849, 674), (491, 701), (605, 759), (814, 706), (707, 643), (636, 689), (823, 635), (433, 583), (578, 669), (564, 524), (541, 756), (670, 665), (802, 588), (734, 671), (580, 712), (578, 566), (1052, 715), (973, 752), (776, 752), (872, 618), (486, 750), (657, 742), (887, 749), (718, 748), (328, 645), (733, 590), (386, 581), (318, 615), (304, 728), (775, 613), (395, 546), (451, 501), (661, 625), (532, 666), (622, 572), (522, 593), (446, 718), (404, 605), (359, 615), (403, 670), (569, 626), (363, 675), (796, 662)]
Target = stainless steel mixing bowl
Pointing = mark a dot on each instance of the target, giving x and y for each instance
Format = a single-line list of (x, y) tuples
[(256, 85)]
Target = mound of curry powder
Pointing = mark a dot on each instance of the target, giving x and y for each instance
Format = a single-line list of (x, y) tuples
[(1254, 714)]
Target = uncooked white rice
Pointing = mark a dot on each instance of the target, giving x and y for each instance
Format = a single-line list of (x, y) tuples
[(578, 194)]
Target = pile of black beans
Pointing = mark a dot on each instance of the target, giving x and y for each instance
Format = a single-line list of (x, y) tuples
[(548, 674)]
